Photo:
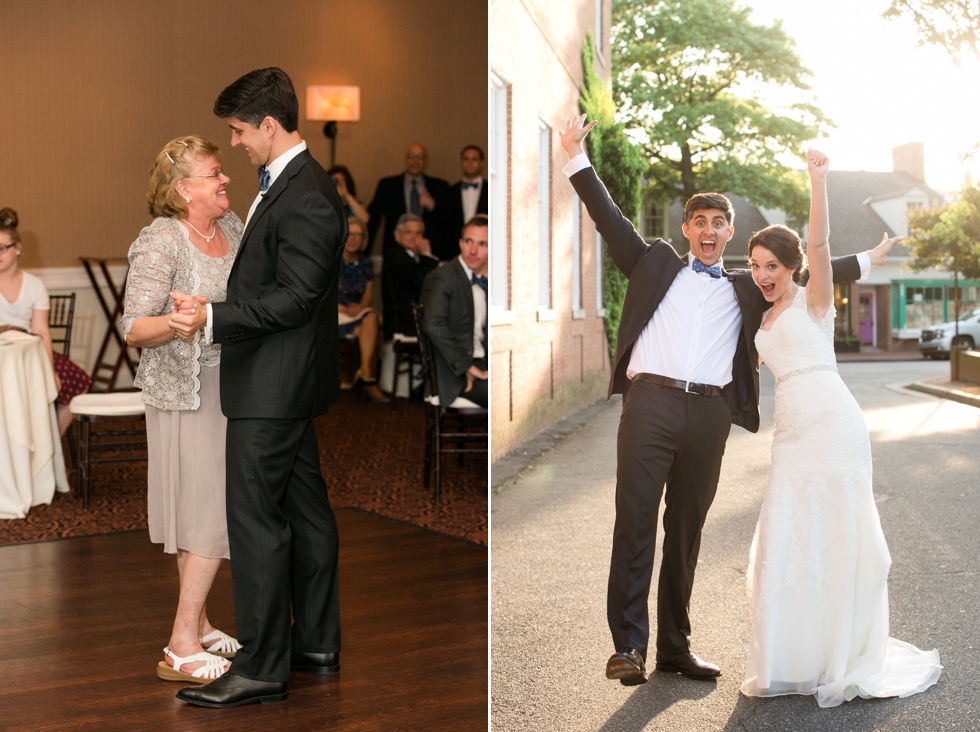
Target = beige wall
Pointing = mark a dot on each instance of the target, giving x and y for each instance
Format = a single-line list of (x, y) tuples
[(92, 90), (544, 365)]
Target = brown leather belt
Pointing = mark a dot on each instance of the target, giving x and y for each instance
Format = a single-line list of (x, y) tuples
[(686, 386)]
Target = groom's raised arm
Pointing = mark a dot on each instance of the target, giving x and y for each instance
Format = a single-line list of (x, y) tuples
[(624, 244)]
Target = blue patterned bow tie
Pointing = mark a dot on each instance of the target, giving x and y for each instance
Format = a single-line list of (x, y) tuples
[(481, 281), (265, 178), (700, 266), (470, 185)]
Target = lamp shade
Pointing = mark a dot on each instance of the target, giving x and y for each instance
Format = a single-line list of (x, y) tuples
[(333, 103)]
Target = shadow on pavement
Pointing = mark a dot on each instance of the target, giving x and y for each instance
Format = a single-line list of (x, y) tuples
[(654, 697)]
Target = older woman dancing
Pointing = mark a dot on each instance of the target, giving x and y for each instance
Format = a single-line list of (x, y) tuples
[(190, 246)]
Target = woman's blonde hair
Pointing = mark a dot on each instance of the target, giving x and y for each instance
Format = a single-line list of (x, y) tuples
[(175, 162), (364, 231)]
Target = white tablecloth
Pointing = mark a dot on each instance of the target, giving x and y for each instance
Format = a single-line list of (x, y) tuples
[(32, 466)]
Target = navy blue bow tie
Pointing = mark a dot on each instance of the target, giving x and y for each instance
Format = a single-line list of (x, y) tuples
[(700, 266), (265, 178), (470, 185), (481, 281)]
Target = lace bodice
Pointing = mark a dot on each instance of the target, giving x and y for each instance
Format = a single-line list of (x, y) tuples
[(163, 260), (795, 343)]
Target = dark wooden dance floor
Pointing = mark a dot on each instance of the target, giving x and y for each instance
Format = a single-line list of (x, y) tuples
[(83, 622)]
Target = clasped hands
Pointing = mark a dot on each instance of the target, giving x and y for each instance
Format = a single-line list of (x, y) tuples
[(189, 315), (472, 374)]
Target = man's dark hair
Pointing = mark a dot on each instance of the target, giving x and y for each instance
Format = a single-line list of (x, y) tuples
[(473, 147), (259, 94), (704, 201), (348, 178), (479, 220)]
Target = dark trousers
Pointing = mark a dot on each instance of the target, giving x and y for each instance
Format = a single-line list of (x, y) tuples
[(666, 437), (283, 539), (479, 393)]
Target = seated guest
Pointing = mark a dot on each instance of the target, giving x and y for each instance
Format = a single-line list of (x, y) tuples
[(190, 246), (348, 194), (357, 317), (406, 266), (24, 305), (455, 318), (468, 197)]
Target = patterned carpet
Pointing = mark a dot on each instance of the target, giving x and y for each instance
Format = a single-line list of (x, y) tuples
[(371, 457)]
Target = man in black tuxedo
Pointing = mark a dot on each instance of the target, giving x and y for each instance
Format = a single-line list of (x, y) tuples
[(464, 199), (408, 264), (411, 192), (688, 369), (455, 317), (279, 370)]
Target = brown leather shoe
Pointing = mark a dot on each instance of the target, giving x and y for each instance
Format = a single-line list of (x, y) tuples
[(627, 666), (687, 664)]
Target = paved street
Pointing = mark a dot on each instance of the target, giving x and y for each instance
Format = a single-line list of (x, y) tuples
[(550, 538)]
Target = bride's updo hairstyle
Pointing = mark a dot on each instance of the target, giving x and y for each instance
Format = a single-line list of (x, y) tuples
[(785, 244), (173, 163), (8, 224)]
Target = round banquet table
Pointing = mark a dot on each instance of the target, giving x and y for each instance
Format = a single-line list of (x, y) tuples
[(32, 466)]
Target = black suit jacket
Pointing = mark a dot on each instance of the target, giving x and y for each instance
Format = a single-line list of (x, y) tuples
[(406, 276), (447, 295), (451, 212), (389, 204), (650, 269), (278, 326)]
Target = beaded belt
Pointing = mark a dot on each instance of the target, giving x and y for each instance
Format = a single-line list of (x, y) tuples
[(807, 370)]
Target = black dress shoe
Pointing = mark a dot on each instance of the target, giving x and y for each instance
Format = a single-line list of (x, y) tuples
[(231, 690), (687, 664), (315, 663), (627, 666)]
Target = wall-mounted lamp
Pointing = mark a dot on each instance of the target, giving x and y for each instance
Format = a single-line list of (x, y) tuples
[(333, 104)]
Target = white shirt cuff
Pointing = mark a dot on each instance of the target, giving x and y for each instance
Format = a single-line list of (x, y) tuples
[(579, 162), (864, 259), (208, 334)]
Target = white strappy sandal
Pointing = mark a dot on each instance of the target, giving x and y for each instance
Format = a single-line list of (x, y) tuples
[(214, 666), (222, 644)]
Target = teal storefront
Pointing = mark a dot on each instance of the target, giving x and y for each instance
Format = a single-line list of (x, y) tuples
[(921, 303)]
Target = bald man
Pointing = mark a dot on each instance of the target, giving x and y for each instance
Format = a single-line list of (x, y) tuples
[(410, 192)]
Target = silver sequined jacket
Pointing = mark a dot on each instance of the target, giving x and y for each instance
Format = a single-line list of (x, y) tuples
[(163, 260)]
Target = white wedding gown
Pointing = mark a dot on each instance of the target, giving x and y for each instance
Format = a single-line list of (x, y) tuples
[(818, 568)]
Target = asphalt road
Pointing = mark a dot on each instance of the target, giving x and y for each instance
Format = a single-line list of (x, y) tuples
[(550, 541)]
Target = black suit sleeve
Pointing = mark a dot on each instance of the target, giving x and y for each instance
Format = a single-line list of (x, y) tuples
[(376, 209), (437, 297), (624, 244), (309, 232), (410, 274), (846, 269)]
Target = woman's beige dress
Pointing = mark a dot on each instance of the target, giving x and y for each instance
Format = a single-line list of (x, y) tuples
[(185, 428)]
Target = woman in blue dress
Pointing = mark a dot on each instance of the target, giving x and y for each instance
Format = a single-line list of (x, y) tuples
[(357, 318)]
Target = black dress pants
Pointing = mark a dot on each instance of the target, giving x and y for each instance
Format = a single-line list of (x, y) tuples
[(283, 539), (666, 437)]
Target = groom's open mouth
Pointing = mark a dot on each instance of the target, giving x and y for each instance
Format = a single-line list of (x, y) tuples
[(708, 248)]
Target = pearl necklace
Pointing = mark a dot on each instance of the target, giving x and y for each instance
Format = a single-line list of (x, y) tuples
[(207, 239)]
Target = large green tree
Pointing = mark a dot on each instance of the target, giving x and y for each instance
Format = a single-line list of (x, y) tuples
[(691, 78)]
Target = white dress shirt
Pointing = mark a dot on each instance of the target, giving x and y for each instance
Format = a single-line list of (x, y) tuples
[(471, 198), (479, 312), (274, 169), (693, 333)]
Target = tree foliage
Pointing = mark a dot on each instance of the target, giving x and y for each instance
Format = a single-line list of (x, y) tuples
[(948, 237), (689, 80), (620, 166), (950, 24)]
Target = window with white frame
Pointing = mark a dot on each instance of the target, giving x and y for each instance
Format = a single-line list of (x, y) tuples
[(544, 216), (499, 194), (598, 28), (576, 253)]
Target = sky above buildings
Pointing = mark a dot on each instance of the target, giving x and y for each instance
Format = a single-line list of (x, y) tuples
[(881, 89)]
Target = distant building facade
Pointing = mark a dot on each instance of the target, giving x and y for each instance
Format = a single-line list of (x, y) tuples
[(890, 308), (548, 349)]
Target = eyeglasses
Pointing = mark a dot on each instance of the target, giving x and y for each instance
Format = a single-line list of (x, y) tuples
[(353, 234), (8, 246), (212, 175), (415, 156)]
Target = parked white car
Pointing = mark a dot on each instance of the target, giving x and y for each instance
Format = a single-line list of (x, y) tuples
[(936, 340)]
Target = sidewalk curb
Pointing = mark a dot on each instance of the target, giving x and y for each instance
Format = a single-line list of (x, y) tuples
[(520, 458), (943, 393)]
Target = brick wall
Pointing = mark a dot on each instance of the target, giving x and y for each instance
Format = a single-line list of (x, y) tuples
[(544, 367)]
